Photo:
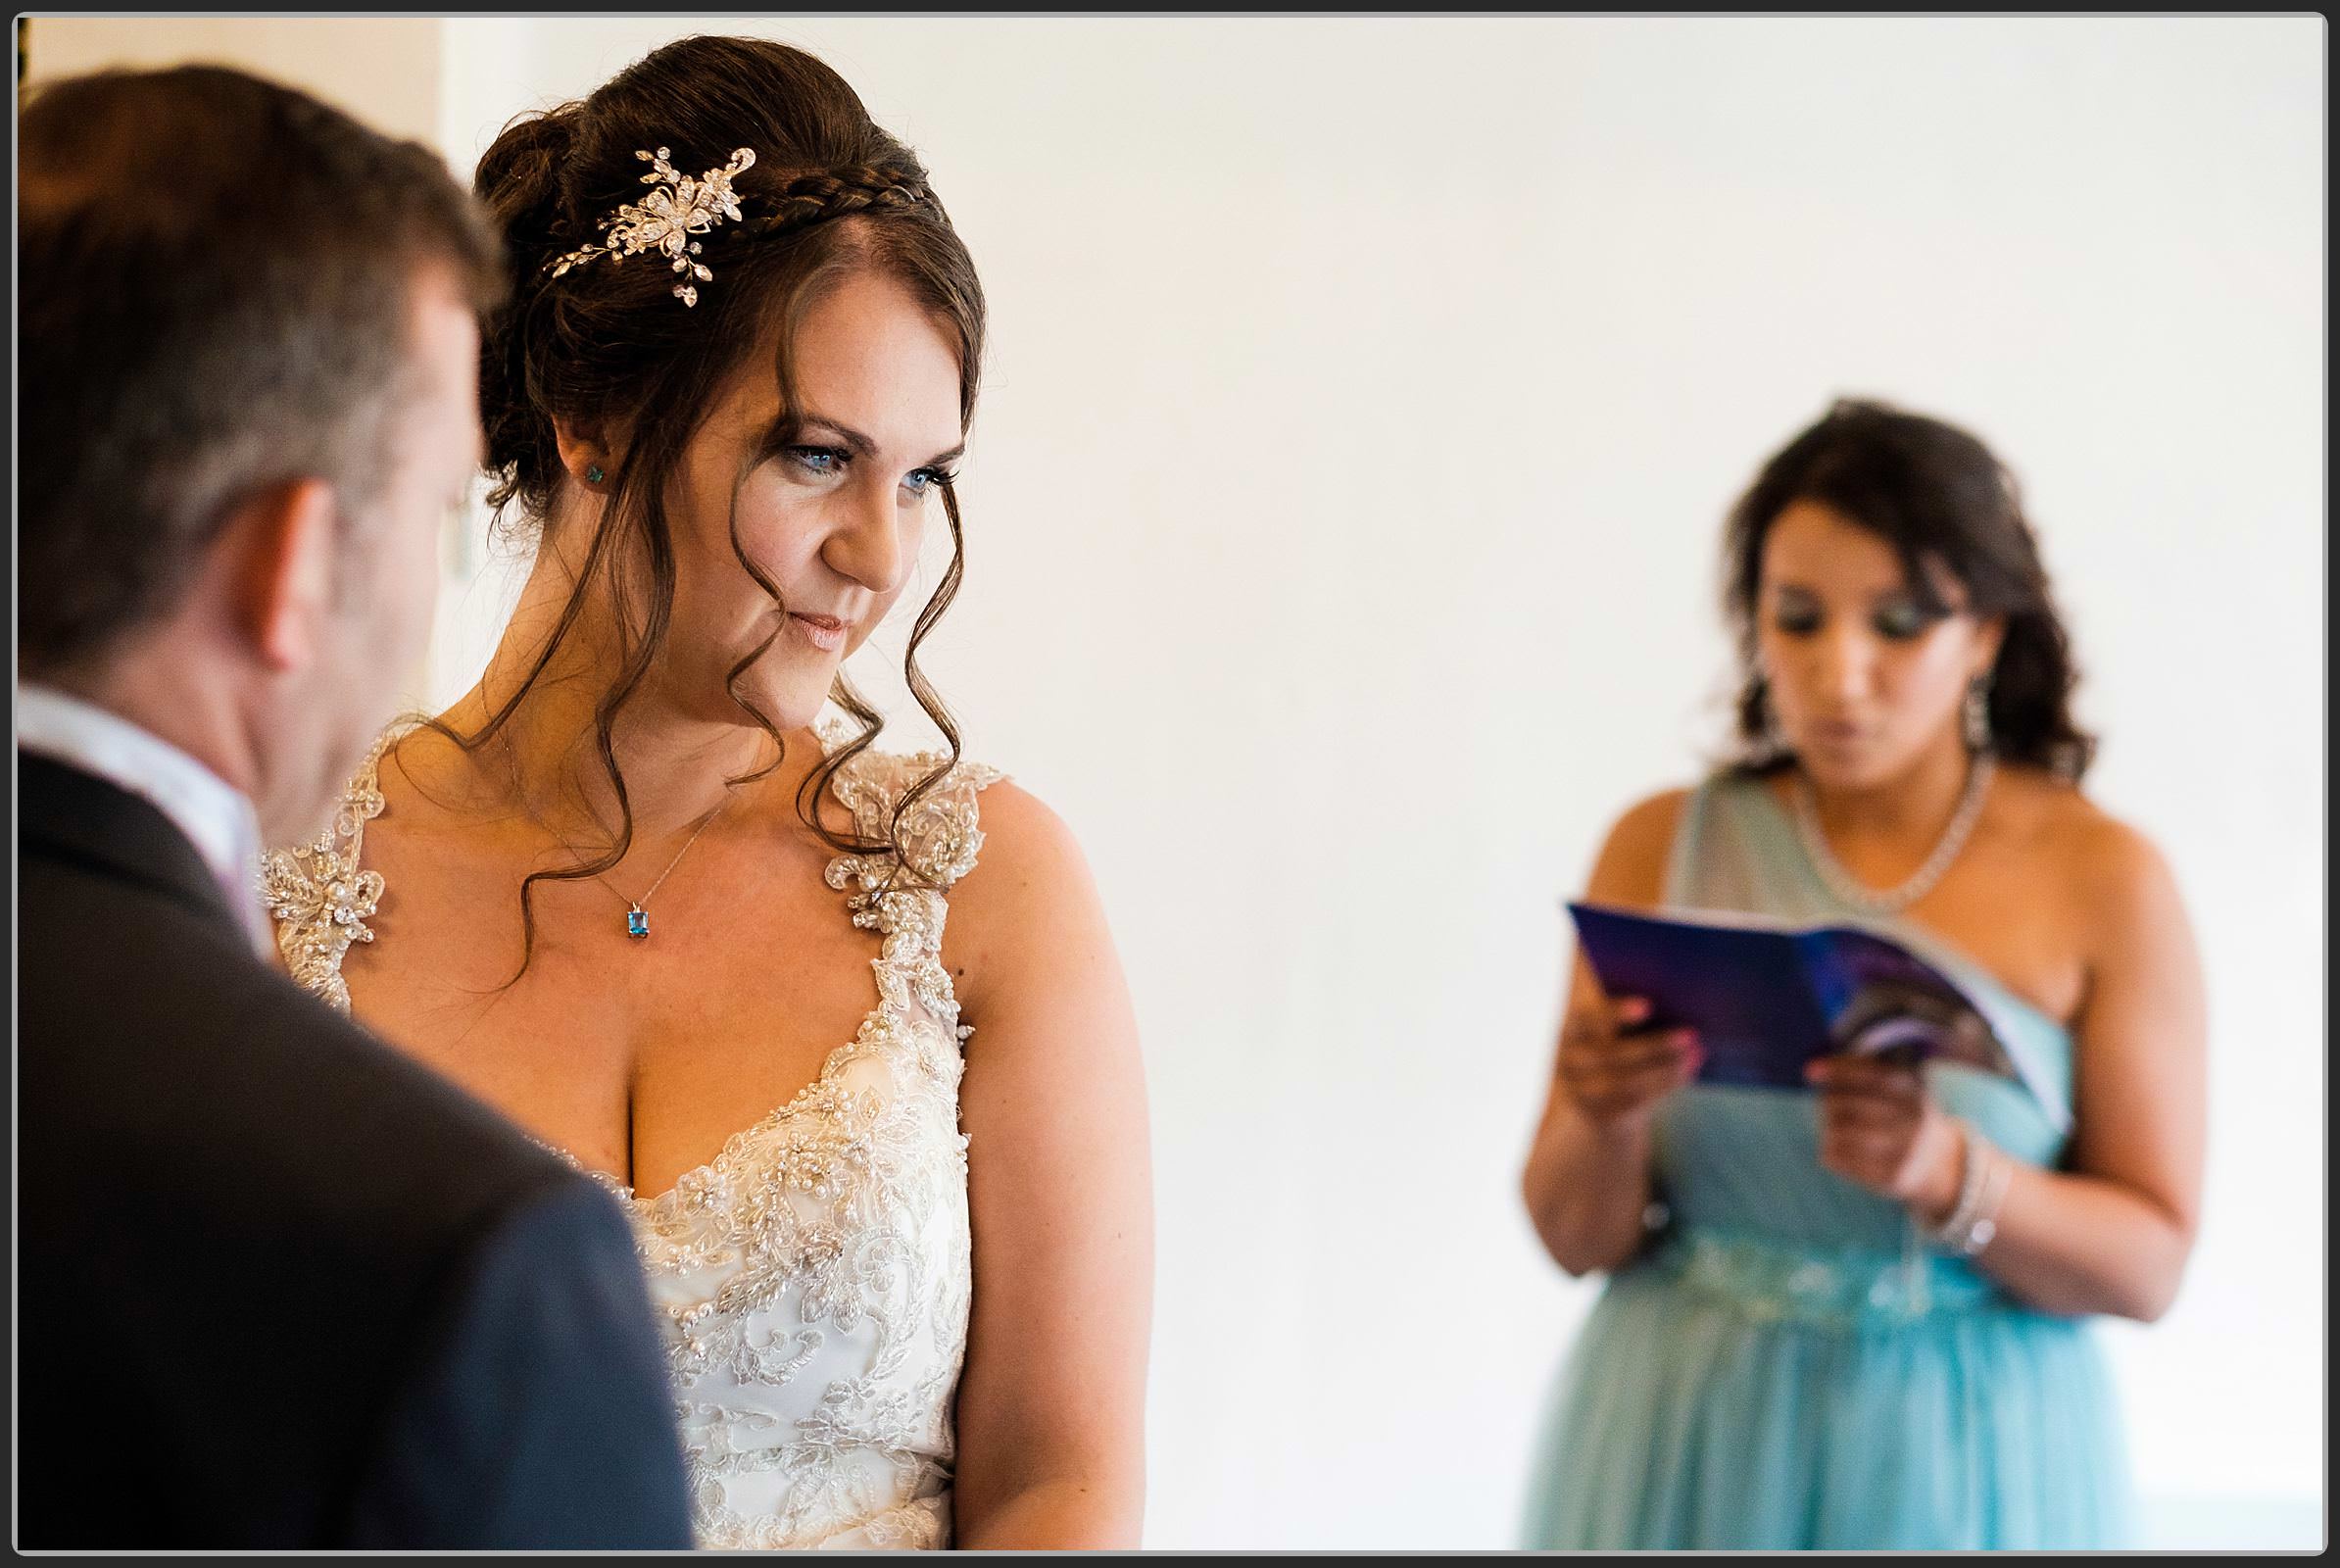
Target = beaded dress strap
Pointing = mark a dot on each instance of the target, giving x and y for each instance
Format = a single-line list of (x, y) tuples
[(320, 895)]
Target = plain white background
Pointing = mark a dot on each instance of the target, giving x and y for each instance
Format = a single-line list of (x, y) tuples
[(1365, 397)]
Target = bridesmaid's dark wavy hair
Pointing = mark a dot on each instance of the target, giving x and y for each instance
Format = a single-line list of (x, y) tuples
[(1929, 490), (831, 195)]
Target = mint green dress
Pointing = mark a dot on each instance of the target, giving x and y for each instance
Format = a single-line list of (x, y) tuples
[(1782, 1366)]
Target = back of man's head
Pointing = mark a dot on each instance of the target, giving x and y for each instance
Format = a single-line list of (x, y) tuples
[(217, 280)]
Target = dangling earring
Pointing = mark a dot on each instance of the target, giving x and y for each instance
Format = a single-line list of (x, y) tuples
[(593, 474), (1977, 714)]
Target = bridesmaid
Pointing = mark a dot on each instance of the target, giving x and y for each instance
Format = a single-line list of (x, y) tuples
[(1858, 1318)]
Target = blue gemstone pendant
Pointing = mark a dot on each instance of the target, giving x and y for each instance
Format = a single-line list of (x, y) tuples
[(637, 922)]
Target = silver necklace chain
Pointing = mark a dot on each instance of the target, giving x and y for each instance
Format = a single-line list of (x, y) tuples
[(637, 917), (638, 909), (1892, 900)]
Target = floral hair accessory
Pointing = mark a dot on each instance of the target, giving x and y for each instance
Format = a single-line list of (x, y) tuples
[(666, 220)]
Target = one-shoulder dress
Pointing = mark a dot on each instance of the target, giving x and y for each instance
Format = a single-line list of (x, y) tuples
[(1771, 1371)]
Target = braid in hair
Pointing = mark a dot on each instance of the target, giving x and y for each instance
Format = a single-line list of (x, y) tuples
[(840, 193), (605, 346)]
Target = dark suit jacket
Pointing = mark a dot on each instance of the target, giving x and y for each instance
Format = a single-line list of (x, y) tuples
[(278, 1286)]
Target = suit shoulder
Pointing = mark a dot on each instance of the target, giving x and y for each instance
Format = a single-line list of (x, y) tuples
[(220, 1082), (380, 1105)]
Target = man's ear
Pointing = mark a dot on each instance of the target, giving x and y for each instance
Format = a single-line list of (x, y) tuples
[(282, 545)]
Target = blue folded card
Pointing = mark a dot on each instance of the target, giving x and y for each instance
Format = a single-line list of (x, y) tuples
[(1767, 998)]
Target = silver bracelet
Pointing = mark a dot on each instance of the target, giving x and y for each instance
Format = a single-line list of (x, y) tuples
[(1984, 1178)]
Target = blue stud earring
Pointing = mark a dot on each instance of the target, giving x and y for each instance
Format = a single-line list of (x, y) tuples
[(593, 474)]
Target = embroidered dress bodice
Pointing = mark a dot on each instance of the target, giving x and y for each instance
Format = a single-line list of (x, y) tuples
[(812, 1280)]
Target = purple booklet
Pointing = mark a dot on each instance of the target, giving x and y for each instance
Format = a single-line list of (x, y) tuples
[(1767, 998)]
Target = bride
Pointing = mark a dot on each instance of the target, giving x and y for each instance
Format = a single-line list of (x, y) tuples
[(633, 891)]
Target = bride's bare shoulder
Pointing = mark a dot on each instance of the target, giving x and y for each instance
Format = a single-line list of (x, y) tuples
[(1028, 850), (1029, 894)]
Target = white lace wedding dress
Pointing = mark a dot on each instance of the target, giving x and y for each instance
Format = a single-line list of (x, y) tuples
[(813, 1279)]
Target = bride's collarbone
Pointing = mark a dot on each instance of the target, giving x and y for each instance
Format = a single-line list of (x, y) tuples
[(474, 898), (617, 1049), (702, 972)]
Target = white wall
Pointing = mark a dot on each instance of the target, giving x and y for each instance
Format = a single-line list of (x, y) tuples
[(382, 67), (1365, 397)]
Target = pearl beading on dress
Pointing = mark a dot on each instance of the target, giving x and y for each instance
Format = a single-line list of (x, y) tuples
[(813, 1280)]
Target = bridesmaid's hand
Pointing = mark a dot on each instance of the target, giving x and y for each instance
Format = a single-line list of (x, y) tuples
[(1880, 1129), (1613, 1066)]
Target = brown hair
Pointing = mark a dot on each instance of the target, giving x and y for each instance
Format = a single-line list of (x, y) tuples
[(830, 195), (215, 297), (1929, 490)]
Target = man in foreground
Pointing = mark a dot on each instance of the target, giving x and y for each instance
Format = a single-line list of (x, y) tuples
[(277, 1286)]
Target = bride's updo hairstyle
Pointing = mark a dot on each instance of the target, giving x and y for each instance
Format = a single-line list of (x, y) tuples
[(607, 341)]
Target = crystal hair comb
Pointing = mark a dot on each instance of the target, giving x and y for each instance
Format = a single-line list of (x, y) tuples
[(666, 220)]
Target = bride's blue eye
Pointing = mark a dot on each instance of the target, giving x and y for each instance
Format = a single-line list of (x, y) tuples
[(825, 461), (920, 480)]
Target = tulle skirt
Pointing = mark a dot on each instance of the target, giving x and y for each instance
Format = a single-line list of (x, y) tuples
[(1714, 1404)]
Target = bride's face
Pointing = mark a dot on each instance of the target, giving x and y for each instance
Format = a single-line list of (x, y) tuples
[(832, 512)]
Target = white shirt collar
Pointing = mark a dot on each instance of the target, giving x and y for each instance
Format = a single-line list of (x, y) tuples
[(212, 812)]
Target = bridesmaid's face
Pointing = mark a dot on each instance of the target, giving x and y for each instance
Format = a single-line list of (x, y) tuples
[(832, 513), (1864, 681)]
